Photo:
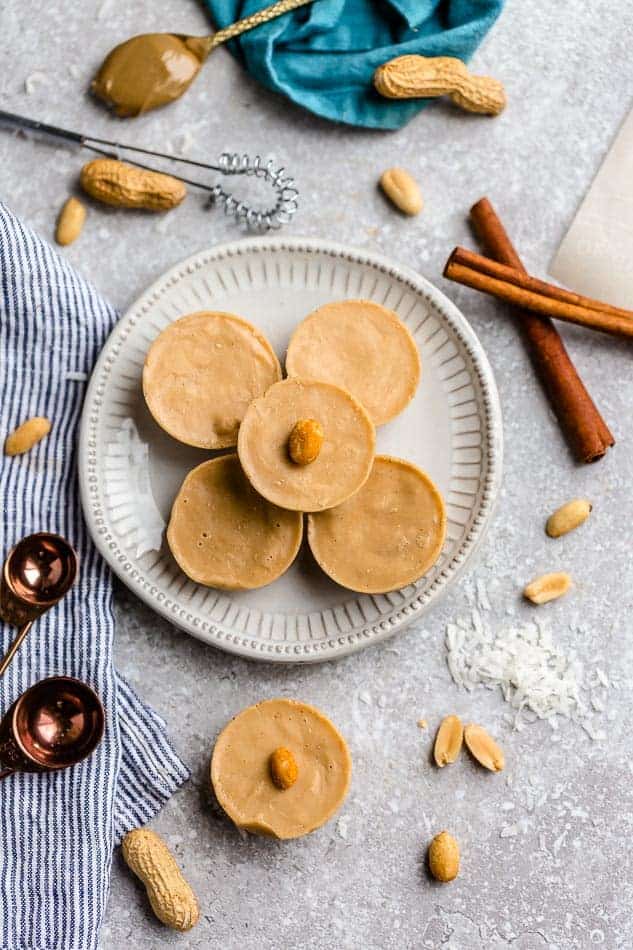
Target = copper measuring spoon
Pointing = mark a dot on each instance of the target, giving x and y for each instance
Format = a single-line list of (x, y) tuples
[(54, 724), (36, 574)]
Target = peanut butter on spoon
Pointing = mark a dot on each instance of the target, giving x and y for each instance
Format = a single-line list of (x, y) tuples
[(148, 71), (153, 69)]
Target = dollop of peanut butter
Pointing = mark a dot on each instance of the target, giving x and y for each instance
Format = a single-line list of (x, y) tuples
[(148, 71)]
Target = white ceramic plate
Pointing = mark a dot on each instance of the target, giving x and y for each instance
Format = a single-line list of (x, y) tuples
[(130, 470)]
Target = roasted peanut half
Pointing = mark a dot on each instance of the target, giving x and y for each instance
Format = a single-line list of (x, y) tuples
[(483, 748), (448, 742)]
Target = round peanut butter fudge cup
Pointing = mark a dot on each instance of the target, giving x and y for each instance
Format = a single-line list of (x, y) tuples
[(201, 373), (363, 347), (385, 537), (306, 445), (223, 534), (280, 768)]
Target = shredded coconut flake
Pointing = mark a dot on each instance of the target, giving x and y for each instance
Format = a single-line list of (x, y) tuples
[(34, 80), (144, 523), (482, 596), (185, 142), (509, 831), (162, 224), (104, 10), (536, 678)]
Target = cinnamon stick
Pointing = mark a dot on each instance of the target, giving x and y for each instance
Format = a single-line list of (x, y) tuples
[(522, 290), (586, 431), (522, 279)]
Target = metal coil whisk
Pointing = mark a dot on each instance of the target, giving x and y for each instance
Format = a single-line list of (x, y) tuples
[(287, 194), (229, 163)]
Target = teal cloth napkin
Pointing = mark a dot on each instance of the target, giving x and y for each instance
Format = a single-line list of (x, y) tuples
[(323, 56)]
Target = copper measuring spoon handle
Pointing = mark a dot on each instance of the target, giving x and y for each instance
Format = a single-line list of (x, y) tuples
[(37, 573), (4, 773), (13, 649)]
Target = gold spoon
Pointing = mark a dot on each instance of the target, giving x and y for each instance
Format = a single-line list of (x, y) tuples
[(153, 69), (37, 573), (54, 724)]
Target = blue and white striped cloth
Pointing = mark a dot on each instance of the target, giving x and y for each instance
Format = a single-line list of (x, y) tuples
[(57, 832)]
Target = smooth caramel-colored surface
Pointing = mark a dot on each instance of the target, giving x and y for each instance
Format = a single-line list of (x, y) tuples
[(363, 347), (240, 769), (223, 534), (345, 457), (202, 372), (387, 535), (148, 71)]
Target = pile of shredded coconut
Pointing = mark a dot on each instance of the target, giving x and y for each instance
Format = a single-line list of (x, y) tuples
[(535, 677)]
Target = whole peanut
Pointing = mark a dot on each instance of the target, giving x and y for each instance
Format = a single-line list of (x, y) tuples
[(171, 897), (124, 186), (424, 77)]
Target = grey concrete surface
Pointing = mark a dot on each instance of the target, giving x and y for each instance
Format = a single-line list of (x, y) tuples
[(562, 876)]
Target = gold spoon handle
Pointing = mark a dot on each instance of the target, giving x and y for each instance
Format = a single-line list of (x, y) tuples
[(15, 646), (255, 19)]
